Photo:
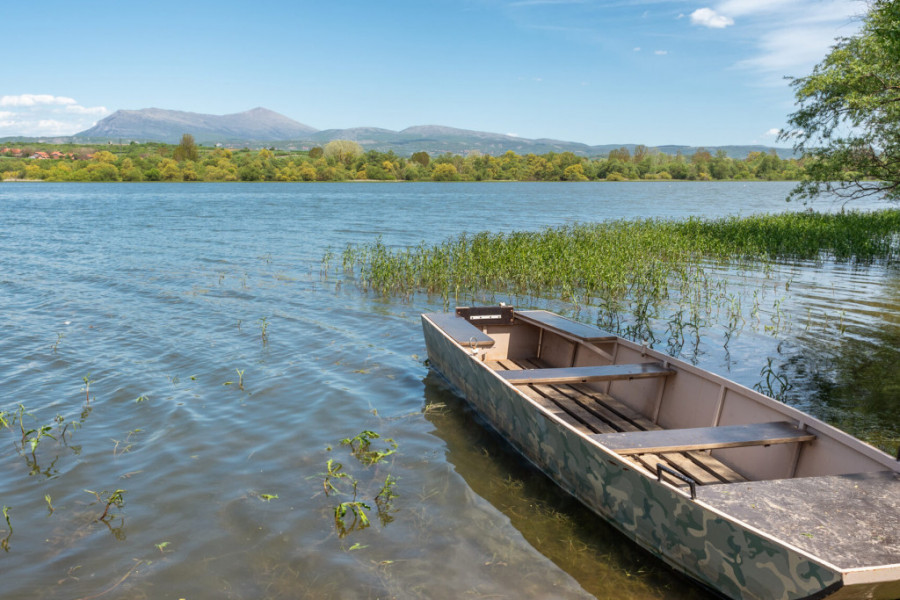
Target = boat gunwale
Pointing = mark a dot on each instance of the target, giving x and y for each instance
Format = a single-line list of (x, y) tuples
[(803, 419), (636, 466)]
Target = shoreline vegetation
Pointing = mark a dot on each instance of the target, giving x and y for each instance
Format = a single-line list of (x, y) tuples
[(606, 263), (343, 160), (660, 281)]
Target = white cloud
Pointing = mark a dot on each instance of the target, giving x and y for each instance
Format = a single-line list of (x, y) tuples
[(51, 124), (637, 48), (790, 37), (45, 115), (772, 132), (791, 50), (707, 17), (82, 110), (740, 8), (35, 100), (660, 52)]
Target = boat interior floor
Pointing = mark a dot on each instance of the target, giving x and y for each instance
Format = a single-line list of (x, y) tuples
[(594, 412), (850, 520)]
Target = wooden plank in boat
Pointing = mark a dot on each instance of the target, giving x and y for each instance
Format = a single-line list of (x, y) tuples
[(585, 374), (703, 438), (606, 414), (686, 462), (560, 324), (551, 407), (461, 331), (702, 469)]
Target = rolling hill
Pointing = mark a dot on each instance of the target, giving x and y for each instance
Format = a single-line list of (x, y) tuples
[(263, 127)]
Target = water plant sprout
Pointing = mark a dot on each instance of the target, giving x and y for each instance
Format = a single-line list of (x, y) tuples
[(115, 498), (335, 481)]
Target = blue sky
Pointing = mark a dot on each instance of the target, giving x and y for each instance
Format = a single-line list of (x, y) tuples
[(704, 72)]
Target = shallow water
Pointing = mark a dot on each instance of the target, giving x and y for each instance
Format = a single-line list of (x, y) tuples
[(167, 299)]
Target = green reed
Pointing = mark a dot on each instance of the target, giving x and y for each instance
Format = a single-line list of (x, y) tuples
[(630, 271)]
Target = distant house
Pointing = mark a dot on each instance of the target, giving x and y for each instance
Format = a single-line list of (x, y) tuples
[(40, 155), (56, 154)]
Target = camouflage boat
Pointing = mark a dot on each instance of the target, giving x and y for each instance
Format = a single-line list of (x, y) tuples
[(746, 495)]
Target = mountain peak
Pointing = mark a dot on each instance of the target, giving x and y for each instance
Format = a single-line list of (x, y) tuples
[(258, 124)]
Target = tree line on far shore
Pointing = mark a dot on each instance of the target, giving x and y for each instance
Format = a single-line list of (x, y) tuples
[(343, 160)]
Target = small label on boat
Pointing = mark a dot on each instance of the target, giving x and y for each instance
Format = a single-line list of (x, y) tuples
[(483, 317)]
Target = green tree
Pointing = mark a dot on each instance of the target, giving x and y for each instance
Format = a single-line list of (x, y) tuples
[(344, 151), (574, 173), (848, 121), (445, 172), (187, 149), (420, 157)]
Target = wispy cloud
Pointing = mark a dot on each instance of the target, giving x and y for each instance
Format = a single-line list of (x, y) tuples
[(707, 17), (790, 37), (660, 52), (544, 2), (84, 110), (35, 100), (45, 115)]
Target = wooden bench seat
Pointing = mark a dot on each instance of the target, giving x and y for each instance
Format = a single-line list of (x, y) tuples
[(702, 438), (584, 374), (555, 323), (461, 331), (593, 412)]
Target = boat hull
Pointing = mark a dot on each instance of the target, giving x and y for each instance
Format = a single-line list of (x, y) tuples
[(732, 560)]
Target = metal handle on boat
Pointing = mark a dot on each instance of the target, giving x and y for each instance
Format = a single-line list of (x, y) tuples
[(473, 345), (693, 484)]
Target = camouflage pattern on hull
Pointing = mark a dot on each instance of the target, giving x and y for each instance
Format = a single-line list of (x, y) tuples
[(722, 555)]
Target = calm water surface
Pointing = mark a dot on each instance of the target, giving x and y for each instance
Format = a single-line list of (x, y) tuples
[(224, 369)]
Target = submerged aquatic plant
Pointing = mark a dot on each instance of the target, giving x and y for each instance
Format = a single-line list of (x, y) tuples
[(360, 446), (115, 498), (4, 543), (87, 387), (264, 330), (336, 481)]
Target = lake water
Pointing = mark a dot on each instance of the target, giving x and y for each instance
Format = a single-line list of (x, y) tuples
[(223, 370)]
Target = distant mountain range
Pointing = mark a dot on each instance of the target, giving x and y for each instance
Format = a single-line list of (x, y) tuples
[(263, 127)]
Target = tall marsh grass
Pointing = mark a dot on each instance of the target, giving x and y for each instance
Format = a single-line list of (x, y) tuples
[(633, 273)]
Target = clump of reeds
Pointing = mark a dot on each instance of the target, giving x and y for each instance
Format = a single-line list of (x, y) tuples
[(628, 270), (856, 236)]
